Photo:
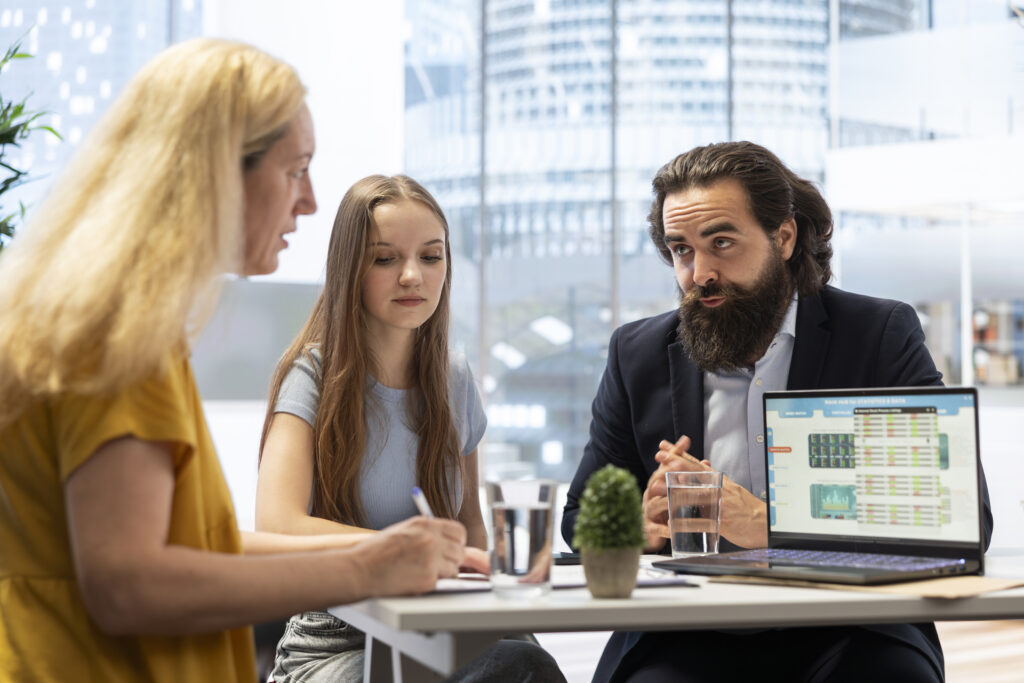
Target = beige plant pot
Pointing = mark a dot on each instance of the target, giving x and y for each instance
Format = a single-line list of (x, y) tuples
[(610, 572)]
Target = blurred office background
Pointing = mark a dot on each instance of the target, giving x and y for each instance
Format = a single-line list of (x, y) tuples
[(538, 124)]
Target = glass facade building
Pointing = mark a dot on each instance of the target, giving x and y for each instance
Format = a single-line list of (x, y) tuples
[(539, 124), (84, 51), (583, 102)]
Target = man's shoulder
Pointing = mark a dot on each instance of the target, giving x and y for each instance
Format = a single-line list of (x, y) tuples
[(839, 301), (852, 340), (657, 330)]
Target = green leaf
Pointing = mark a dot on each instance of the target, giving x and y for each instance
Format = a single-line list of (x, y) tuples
[(51, 131), (611, 514), (17, 123)]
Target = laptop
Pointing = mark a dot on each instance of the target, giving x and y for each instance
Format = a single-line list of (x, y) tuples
[(865, 486)]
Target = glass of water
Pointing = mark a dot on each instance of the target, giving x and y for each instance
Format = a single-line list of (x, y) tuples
[(694, 511), (522, 516)]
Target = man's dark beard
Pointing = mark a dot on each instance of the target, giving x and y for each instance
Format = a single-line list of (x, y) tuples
[(736, 333)]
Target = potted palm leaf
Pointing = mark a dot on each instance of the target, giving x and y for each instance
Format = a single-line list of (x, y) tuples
[(17, 122)]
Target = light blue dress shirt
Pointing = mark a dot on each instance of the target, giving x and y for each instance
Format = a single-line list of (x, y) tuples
[(734, 423)]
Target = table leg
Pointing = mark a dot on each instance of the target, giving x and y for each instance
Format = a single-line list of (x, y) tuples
[(411, 657), (408, 670), (377, 662)]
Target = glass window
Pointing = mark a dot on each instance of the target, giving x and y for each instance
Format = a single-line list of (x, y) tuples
[(539, 125)]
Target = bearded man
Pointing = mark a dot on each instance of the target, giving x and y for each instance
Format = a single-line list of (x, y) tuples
[(749, 242)]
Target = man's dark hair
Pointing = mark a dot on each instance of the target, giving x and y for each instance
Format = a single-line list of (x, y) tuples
[(774, 194)]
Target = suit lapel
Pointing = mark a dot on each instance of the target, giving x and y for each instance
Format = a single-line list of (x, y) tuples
[(811, 345), (687, 399)]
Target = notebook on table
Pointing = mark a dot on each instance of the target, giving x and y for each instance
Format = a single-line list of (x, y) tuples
[(865, 486)]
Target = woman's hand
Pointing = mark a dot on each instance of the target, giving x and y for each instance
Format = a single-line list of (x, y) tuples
[(409, 557)]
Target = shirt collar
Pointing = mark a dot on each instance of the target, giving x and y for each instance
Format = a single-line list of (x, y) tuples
[(789, 322)]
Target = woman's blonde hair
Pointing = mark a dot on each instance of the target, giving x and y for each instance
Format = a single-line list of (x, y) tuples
[(337, 326), (117, 266)]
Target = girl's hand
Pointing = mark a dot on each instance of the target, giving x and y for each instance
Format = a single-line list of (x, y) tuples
[(476, 560)]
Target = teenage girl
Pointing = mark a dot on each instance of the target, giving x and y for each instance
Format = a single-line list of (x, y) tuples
[(366, 404)]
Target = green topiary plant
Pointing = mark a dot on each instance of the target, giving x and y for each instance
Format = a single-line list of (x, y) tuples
[(610, 513), (16, 123)]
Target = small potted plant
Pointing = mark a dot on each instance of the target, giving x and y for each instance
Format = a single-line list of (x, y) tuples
[(609, 532)]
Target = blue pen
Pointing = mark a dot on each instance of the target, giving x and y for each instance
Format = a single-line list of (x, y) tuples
[(421, 502)]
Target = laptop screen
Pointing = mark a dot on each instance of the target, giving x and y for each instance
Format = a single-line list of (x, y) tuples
[(881, 465)]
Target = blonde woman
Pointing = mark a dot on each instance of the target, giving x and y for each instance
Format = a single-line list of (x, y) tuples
[(367, 404), (120, 557)]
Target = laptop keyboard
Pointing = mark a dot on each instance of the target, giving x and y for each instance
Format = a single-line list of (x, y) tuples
[(826, 558)]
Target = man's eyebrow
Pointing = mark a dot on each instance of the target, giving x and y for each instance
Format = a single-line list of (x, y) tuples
[(715, 229), (718, 228)]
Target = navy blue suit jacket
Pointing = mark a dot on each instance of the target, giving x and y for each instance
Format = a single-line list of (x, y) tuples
[(651, 391)]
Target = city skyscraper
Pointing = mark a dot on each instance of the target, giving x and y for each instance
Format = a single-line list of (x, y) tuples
[(569, 134), (84, 52)]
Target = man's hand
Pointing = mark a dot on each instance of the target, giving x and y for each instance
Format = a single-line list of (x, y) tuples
[(655, 500), (743, 513)]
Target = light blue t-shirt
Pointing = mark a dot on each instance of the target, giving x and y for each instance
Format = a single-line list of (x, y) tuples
[(388, 470)]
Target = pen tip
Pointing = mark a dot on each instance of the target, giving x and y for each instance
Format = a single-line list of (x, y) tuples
[(416, 490)]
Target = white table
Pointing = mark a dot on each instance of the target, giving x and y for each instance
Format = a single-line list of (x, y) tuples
[(411, 639)]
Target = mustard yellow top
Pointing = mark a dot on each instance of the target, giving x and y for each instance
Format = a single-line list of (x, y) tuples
[(45, 632)]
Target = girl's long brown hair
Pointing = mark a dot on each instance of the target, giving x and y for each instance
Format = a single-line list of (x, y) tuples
[(337, 326)]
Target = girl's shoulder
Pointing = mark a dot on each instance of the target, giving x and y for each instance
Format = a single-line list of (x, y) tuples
[(309, 358), (459, 373)]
